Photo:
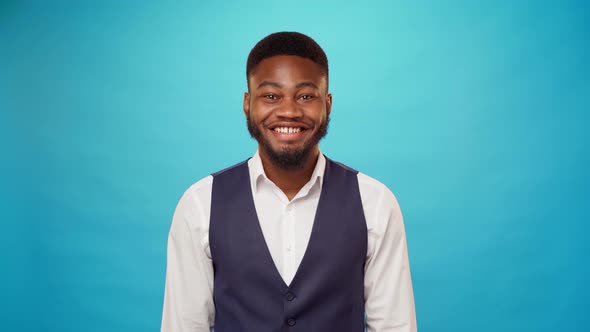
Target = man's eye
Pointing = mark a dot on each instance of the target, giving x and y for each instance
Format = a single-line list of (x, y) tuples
[(306, 97), (270, 96)]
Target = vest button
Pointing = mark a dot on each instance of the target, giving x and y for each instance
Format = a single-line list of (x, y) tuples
[(290, 296), (291, 321)]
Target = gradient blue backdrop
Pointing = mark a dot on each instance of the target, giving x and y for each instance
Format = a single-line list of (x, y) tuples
[(475, 113)]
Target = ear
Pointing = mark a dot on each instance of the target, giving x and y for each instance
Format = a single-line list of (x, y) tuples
[(329, 103), (246, 105)]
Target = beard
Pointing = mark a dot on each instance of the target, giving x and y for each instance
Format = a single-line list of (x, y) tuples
[(288, 158)]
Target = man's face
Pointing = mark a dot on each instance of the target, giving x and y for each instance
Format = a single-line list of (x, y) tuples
[(287, 109)]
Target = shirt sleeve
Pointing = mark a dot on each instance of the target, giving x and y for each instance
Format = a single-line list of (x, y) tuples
[(389, 298), (188, 295)]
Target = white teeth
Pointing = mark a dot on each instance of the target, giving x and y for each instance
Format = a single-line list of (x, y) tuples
[(287, 130)]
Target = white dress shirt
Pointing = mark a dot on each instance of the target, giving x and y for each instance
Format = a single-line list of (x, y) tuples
[(286, 225)]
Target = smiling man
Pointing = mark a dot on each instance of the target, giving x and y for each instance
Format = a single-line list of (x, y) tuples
[(288, 240)]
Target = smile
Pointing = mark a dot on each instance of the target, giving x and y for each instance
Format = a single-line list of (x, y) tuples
[(288, 130)]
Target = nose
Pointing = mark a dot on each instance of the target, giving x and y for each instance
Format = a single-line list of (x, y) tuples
[(289, 108)]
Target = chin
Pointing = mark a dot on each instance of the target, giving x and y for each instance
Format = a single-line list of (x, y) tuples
[(287, 158)]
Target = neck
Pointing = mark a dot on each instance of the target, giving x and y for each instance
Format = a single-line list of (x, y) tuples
[(290, 181)]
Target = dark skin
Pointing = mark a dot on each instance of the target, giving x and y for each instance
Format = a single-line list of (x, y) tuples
[(288, 100)]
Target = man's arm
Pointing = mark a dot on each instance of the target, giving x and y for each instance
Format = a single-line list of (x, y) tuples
[(188, 298), (389, 298)]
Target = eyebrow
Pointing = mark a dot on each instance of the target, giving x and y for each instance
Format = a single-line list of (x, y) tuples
[(304, 84), (278, 85), (269, 83)]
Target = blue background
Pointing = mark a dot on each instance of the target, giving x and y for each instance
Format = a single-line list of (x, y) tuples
[(475, 113)]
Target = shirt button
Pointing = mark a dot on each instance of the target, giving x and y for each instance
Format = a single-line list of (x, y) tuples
[(291, 321), (290, 296)]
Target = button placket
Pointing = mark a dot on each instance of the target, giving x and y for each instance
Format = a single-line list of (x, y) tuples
[(288, 258), (291, 238)]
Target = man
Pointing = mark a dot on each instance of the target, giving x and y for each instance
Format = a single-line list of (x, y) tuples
[(288, 240)]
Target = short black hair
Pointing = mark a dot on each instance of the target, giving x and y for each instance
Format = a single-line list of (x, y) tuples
[(286, 43)]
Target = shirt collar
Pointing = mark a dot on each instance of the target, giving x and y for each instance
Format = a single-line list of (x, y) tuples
[(257, 173)]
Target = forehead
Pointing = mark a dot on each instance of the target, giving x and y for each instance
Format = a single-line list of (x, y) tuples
[(287, 70)]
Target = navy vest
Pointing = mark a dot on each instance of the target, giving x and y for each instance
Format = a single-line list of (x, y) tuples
[(327, 292)]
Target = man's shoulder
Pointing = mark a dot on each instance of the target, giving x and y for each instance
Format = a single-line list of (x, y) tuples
[(370, 187), (198, 191), (202, 188), (370, 182), (378, 201), (375, 192), (341, 165), (232, 168)]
